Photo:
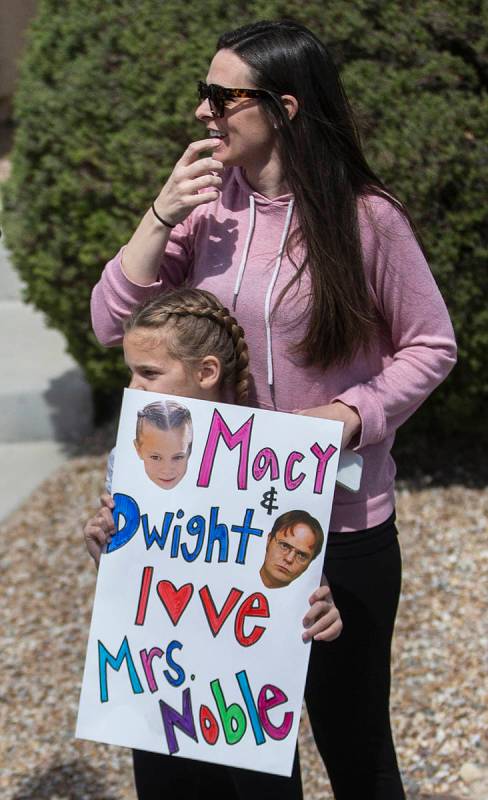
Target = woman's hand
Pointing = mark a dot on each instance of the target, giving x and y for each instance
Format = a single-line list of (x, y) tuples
[(180, 194), (322, 621), (340, 412), (141, 258), (99, 528)]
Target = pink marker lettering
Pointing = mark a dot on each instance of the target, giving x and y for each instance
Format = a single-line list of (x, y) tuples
[(324, 457), (241, 438), (291, 482)]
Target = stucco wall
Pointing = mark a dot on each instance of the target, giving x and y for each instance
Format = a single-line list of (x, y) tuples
[(14, 17)]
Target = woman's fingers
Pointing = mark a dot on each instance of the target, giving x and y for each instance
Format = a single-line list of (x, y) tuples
[(204, 166), (200, 199), (180, 194), (190, 187), (192, 152)]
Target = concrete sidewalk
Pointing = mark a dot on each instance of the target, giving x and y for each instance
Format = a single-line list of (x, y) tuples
[(45, 403)]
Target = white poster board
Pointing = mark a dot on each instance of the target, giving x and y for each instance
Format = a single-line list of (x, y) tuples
[(195, 647)]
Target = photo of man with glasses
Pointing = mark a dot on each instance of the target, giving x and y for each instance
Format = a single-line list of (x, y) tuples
[(296, 538)]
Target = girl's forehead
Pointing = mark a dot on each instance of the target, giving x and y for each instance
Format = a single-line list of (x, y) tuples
[(145, 339)]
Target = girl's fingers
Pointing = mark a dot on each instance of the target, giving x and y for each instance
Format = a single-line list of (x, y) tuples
[(317, 611), (327, 628), (106, 500), (322, 593), (94, 533), (105, 519), (95, 552), (332, 632)]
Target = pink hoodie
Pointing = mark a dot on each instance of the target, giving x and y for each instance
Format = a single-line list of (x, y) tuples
[(235, 248)]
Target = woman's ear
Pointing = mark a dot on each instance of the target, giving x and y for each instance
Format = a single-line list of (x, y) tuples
[(209, 373), (291, 104)]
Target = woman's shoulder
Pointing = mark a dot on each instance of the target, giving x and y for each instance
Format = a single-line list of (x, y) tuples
[(380, 208), (383, 221)]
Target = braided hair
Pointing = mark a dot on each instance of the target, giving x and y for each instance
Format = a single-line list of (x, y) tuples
[(198, 326)]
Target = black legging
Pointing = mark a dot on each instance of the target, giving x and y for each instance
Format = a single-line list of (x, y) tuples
[(161, 777), (347, 693), (348, 682)]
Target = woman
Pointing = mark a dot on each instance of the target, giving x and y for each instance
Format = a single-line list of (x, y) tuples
[(287, 223)]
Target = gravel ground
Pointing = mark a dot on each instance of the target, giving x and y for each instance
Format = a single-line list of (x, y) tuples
[(440, 690)]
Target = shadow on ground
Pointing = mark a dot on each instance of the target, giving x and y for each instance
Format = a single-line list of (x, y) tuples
[(75, 780), (430, 458), (70, 404)]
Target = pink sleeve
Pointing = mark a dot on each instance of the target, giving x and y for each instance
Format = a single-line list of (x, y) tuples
[(114, 296), (417, 323)]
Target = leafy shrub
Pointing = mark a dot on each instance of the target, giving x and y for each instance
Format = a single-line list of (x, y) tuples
[(104, 109)]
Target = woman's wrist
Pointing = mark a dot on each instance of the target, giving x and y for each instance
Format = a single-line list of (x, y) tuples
[(161, 219), (142, 255), (352, 422)]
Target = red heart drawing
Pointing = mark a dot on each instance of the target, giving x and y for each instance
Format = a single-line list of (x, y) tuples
[(174, 600)]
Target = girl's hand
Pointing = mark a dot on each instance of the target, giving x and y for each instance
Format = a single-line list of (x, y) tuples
[(322, 621), (99, 528), (180, 194), (340, 412)]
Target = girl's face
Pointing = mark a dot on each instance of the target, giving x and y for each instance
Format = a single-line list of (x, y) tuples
[(249, 140), (165, 453), (154, 370)]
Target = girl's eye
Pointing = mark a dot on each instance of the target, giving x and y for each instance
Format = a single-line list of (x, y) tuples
[(155, 458), (178, 458)]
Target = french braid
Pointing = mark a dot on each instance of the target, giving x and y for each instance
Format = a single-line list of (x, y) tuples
[(198, 325)]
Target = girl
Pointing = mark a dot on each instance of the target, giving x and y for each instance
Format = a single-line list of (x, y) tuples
[(186, 343), (287, 221)]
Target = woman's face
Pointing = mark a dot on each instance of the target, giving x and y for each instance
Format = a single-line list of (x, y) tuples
[(249, 140)]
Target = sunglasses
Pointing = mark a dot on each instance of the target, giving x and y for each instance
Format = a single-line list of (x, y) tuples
[(217, 96)]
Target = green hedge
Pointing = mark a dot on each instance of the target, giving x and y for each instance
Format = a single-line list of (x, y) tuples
[(104, 109)]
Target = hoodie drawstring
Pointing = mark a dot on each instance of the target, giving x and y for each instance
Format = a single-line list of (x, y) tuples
[(274, 277), (267, 302)]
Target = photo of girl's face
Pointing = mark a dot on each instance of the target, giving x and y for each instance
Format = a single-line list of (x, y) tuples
[(165, 453)]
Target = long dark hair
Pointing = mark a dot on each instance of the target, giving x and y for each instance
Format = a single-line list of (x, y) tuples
[(327, 173)]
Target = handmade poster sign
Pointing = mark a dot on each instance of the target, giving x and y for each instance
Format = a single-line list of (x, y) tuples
[(221, 516)]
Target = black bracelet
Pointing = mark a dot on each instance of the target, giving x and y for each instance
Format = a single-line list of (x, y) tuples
[(163, 221)]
